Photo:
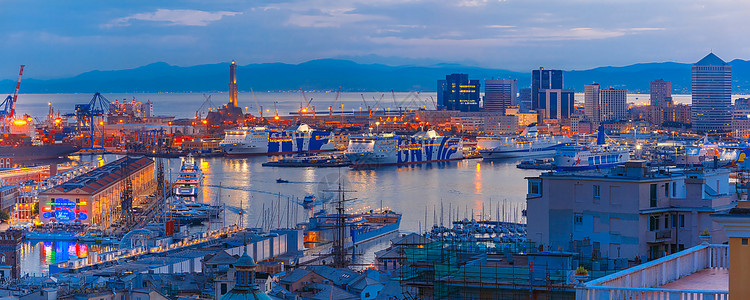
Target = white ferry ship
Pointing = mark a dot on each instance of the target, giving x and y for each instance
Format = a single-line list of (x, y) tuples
[(383, 149), (529, 143), (189, 179), (601, 155), (263, 140)]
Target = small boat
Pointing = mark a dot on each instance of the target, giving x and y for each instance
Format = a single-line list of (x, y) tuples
[(281, 181), (308, 202)]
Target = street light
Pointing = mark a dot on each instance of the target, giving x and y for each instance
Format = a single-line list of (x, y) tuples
[(377, 126)]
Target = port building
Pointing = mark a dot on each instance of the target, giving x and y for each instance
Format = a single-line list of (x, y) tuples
[(94, 197), (631, 211)]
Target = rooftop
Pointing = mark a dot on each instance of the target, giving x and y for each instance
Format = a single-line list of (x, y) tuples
[(711, 60), (635, 170), (100, 178)]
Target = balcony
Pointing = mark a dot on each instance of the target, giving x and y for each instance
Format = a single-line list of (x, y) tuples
[(696, 273)]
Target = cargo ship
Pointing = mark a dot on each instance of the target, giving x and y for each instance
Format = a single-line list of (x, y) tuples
[(31, 153), (373, 150), (529, 143), (246, 141)]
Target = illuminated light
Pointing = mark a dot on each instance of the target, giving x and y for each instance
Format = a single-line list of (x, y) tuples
[(204, 121), (20, 122), (101, 123), (29, 119), (169, 123), (276, 117)]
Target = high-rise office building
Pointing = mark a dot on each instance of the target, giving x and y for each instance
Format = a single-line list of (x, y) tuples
[(460, 93), (499, 94), (233, 84), (712, 95), (544, 79), (558, 103), (602, 105), (661, 101), (441, 85), (524, 99)]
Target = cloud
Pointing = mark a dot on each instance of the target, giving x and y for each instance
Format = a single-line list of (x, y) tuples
[(330, 18), (500, 26), (183, 17)]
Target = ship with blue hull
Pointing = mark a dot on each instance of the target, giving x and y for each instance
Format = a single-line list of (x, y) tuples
[(598, 156), (384, 149), (247, 141)]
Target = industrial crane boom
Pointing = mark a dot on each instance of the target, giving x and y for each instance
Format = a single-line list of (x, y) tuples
[(15, 94)]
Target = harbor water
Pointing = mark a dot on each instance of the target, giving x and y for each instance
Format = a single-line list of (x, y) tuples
[(463, 188)]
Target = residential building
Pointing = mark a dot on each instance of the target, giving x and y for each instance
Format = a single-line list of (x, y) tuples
[(682, 113), (501, 124), (524, 118), (629, 211), (613, 104), (591, 102), (712, 95), (544, 79), (661, 101), (460, 93), (95, 197), (557, 103), (741, 123), (499, 94), (468, 124)]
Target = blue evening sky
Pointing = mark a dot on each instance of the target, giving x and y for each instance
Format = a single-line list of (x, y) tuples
[(62, 38)]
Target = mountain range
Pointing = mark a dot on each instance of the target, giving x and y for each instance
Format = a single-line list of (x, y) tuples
[(329, 74)]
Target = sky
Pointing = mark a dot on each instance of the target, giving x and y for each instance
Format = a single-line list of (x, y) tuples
[(65, 38)]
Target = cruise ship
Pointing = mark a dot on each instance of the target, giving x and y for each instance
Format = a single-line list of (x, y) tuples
[(529, 143), (189, 179), (372, 150), (600, 155), (268, 141)]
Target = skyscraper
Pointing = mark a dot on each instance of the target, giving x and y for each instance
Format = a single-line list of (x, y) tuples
[(661, 101), (233, 84), (604, 104), (544, 79), (712, 95), (499, 94), (524, 99), (461, 93), (558, 103), (441, 86)]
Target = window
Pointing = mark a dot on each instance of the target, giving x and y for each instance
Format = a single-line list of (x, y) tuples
[(674, 189), (653, 223), (653, 195), (744, 241), (682, 221), (578, 219), (535, 187), (666, 221), (597, 191), (675, 218), (666, 189), (223, 288)]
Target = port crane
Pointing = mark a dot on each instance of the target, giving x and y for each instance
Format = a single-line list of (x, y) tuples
[(207, 105), (86, 114), (8, 106)]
